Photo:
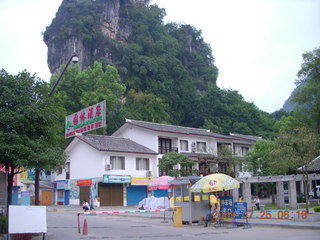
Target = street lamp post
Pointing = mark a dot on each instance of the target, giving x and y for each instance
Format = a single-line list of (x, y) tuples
[(74, 59)]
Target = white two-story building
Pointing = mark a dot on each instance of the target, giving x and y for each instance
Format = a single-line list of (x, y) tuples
[(116, 170), (109, 171), (199, 144)]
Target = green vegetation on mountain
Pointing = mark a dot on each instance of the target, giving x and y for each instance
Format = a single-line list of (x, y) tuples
[(168, 71)]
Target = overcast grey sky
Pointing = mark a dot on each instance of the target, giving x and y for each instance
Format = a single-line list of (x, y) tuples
[(257, 44)]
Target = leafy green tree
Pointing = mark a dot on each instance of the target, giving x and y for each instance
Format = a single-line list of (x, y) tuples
[(27, 118), (229, 160), (293, 149), (228, 110), (257, 160), (79, 90), (145, 107), (101, 84), (308, 95), (171, 159)]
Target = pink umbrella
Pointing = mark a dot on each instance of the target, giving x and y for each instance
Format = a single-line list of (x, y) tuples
[(161, 183)]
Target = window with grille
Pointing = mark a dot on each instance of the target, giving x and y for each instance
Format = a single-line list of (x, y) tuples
[(142, 164), (117, 162)]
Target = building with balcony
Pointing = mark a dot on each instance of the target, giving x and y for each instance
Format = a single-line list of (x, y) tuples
[(201, 145), (116, 170)]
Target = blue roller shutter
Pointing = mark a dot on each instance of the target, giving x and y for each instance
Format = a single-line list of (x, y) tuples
[(135, 194)]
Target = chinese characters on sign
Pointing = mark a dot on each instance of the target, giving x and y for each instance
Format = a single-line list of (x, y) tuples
[(226, 204), (86, 120)]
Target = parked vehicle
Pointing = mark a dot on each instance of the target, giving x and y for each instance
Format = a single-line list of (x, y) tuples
[(300, 197), (311, 193)]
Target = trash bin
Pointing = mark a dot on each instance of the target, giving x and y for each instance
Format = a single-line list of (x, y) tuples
[(177, 217)]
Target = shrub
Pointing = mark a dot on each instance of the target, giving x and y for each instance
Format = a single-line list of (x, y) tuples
[(316, 208), (3, 224)]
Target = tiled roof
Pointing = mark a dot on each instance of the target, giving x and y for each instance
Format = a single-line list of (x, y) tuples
[(246, 137), (176, 129), (114, 144), (313, 166), (185, 180)]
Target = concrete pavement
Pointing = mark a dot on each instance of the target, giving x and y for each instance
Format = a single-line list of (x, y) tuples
[(273, 218)]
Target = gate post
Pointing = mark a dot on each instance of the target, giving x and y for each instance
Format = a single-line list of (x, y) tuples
[(280, 195), (247, 194), (293, 194)]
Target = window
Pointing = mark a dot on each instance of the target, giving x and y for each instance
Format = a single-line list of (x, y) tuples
[(68, 171), (213, 167), (165, 145), (201, 147), (142, 164), (244, 150), (117, 162), (184, 146)]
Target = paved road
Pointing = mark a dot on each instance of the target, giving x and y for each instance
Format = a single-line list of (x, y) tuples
[(63, 225)]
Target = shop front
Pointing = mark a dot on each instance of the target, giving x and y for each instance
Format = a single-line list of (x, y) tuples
[(138, 190), (112, 190), (83, 189), (62, 192)]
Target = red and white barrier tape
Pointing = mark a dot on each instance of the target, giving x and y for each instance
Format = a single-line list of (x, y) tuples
[(115, 212)]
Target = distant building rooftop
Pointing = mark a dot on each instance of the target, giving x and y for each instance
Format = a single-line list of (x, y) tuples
[(114, 144), (159, 127)]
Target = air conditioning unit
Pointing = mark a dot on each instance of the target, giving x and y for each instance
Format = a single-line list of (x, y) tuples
[(193, 147), (148, 174), (108, 167)]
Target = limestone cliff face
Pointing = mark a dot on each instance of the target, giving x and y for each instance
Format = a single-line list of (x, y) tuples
[(62, 39)]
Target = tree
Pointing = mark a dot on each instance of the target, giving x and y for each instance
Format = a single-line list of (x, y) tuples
[(308, 95), (79, 90), (257, 160), (27, 118), (225, 111), (294, 149), (229, 160), (170, 161), (145, 107)]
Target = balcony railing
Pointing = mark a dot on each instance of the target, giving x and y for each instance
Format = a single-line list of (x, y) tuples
[(163, 150)]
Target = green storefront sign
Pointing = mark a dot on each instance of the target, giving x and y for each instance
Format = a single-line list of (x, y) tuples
[(116, 178)]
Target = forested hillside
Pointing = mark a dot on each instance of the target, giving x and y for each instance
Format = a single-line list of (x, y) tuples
[(147, 70)]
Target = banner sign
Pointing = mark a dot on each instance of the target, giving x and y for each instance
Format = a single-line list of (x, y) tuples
[(141, 181), (116, 178), (86, 182), (241, 209), (62, 184), (23, 173), (226, 205), (86, 120)]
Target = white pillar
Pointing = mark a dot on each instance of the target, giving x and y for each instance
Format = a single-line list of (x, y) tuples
[(293, 194), (235, 194), (280, 195), (247, 194)]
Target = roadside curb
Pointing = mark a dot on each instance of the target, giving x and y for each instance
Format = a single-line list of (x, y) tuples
[(291, 226)]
